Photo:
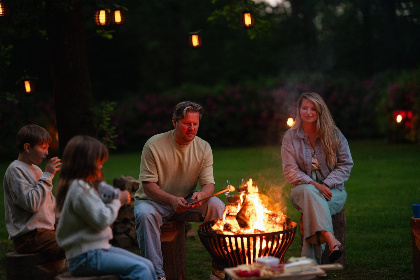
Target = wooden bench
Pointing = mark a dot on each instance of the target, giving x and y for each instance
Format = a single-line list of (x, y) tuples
[(339, 226), (173, 250), (32, 267), (67, 276)]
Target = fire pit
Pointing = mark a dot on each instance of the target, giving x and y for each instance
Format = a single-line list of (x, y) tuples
[(233, 250), (247, 231)]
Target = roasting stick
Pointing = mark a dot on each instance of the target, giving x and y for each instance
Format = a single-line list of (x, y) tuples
[(229, 188)]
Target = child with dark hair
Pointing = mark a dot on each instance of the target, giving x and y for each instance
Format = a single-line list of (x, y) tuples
[(86, 214), (28, 199)]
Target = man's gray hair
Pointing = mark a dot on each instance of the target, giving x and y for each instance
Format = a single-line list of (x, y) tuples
[(182, 108)]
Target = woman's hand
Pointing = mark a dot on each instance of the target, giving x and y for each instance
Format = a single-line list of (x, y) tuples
[(323, 189)]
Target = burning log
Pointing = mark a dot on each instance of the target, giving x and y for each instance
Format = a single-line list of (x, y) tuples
[(246, 215)]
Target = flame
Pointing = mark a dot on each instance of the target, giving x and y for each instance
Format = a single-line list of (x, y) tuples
[(399, 118), (262, 220), (1, 10)]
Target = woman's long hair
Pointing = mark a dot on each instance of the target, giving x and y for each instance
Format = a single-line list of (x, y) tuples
[(81, 158), (325, 126)]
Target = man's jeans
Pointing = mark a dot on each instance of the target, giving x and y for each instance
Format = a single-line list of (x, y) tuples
[(150, 216)]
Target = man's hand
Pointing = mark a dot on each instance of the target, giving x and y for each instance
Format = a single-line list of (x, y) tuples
[(196, 196), (179, 204), (53, 165)]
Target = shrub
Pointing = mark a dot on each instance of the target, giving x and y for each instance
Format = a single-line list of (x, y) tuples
[(401, 93)]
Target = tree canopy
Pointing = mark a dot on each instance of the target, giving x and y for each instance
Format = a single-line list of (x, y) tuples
[(81, 63)]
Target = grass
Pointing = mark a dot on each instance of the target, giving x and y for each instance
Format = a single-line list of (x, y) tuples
[(381, 189)]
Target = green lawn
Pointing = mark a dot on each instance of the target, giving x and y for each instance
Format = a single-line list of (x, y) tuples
[(381, 189)]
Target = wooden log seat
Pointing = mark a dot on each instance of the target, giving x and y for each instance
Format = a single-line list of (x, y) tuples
[(415, 241), (32, 266), (173, 250), (339, 226), (67, 276)]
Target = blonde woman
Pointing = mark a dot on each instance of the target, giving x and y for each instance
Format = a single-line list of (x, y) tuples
[(316, 160)]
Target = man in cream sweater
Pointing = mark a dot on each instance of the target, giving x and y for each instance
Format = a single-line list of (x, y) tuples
[(171, 165)]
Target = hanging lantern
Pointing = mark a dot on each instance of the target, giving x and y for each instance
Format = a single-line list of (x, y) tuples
[(3, 10), (102, 17), (247, 19), (118, 17), (290, 122), (195, 40), (26, 84)]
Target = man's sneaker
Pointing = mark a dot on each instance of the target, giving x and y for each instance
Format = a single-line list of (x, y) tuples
[(161, 278)]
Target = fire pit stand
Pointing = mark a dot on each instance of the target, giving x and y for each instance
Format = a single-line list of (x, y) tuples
[(233, 250)]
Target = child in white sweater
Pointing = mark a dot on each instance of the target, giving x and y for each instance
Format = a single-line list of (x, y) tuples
[(84, 226)]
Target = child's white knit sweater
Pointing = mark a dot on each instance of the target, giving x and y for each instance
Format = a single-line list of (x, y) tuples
[(84, 220)]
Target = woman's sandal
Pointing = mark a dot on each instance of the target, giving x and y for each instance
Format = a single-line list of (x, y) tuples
[(335, 254)]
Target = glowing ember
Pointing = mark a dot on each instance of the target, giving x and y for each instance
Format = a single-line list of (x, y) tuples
[(249, 215)]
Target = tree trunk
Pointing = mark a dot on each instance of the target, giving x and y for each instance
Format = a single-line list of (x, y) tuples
[(69, 69), (365, 7), (303, 13)]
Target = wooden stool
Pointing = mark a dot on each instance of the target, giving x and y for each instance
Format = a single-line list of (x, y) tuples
[(339, 227), (67, 276), (415, 243), (32, 267), (173, 250)]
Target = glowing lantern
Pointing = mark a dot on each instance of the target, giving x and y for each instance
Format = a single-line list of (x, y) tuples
[(403, 117), (290, 122), (26, 84), (28, 88), (118, 17), (3, 9), (195, 40), (247, 20), (102, 17)]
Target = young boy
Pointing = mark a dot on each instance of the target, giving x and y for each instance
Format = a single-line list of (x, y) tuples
[(28, 199)]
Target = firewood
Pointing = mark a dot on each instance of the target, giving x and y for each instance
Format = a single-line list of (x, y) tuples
[(123, 241), (246, 213)]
